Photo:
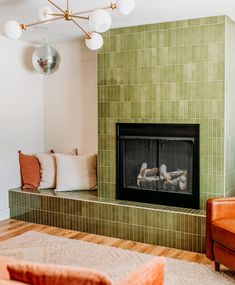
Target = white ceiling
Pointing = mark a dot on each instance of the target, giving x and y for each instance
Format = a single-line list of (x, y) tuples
[(146, 11)]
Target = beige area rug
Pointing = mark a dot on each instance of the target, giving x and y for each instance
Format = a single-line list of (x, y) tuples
[(117, 263)]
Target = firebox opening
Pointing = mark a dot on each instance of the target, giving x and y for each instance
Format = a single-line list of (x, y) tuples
[(158, 163)]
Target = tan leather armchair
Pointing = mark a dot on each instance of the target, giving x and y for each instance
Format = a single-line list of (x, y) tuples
[(220, 232)]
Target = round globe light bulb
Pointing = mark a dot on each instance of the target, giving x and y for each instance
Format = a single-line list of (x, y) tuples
[(95, 42), (125, 7), (100, 21), (44, 13), (12, 30)]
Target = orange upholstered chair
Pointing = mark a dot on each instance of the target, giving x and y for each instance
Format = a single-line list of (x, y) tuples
[(220, 232)]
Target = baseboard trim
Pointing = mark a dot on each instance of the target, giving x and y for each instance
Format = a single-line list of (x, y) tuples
[(4, 214)]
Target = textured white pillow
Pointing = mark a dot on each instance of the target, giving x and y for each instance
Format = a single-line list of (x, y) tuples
[(73, 151), (75, 172), (48, 171)]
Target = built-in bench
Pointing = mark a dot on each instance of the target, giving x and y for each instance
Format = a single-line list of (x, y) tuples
[(85, 211)]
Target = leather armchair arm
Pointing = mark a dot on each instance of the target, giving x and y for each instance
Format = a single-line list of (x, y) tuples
[(218, 208), (222, 208)]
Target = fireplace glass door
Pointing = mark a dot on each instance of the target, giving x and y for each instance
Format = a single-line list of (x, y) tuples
[(158, 164)]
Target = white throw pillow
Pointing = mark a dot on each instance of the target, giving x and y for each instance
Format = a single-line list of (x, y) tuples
[(73, 151), (48, 171), (75, 172)]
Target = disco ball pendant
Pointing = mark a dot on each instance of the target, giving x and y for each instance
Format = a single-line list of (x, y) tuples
[(46, 59)]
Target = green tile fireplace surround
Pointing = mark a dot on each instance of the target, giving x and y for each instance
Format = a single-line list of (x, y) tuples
[(177, 72)]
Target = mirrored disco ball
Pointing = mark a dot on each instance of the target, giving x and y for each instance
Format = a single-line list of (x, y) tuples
[(46, 59)]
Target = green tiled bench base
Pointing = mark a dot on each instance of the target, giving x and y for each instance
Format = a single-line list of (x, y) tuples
[(153, 224)]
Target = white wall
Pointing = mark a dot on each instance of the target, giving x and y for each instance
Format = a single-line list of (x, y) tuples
[(70, 101), (38, 112), (21, 113)]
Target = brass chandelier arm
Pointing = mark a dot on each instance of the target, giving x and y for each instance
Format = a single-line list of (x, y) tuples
[(57, 6), (25, 26), (56, 15), (68, 15), (87, 35), (112, 6), (80, 17)]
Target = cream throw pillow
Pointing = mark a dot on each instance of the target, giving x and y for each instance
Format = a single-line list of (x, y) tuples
[(73, 151), (48, 171), (75, 172)]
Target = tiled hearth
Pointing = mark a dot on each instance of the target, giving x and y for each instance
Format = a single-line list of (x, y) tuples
[(84, 211)]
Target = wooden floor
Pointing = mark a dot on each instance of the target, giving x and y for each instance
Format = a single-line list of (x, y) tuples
[(12, 228)]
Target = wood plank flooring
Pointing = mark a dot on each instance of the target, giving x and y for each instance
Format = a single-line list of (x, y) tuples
[(11, 228)]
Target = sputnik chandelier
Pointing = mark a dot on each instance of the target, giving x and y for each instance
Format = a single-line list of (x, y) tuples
[(99, 20)]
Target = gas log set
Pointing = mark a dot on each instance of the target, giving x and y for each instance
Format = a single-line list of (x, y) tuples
[(158, 178)]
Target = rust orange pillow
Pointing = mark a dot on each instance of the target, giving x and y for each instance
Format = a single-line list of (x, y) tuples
[(10, 282), (151, 273), (39, 274), (4, 261), (30, 171)]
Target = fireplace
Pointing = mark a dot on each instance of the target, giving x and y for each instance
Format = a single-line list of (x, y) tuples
[(158, 163)]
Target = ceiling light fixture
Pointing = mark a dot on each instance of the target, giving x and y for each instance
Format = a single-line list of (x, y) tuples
[(99, 20)]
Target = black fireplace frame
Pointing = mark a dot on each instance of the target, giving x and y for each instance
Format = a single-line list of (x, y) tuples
[(159, 197)]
